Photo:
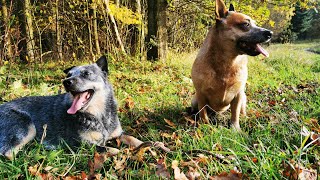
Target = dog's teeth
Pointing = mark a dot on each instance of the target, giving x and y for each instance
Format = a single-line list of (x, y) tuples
[(88, 96)]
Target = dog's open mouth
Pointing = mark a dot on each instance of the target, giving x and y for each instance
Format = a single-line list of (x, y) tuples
[(252, 49), (80, 100)]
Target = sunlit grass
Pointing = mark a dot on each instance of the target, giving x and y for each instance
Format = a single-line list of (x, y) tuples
[(283, 95)]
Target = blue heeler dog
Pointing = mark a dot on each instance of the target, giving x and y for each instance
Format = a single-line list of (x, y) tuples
[(87, 112)]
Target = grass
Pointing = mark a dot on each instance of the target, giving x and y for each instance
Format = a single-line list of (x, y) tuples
[(283, 95)]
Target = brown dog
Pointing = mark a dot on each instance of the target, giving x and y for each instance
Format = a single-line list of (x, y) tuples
[(219, 72)]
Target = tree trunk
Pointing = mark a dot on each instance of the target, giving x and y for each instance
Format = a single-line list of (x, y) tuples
[(137, 31), (89, 23), (29, 30), (157, 30), (162, 29), (7, 36), (95, 28), (58, 32), (142, 33), (114, 26)]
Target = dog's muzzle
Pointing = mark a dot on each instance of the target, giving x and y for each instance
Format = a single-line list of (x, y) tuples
[(250, 44), (81, 98)]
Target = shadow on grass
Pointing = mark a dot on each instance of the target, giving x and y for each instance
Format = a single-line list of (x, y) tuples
[(168, 119)]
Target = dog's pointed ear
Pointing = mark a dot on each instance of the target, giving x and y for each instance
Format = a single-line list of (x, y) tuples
[(102, 62), (221, 10), (66, 71), (231, 8)]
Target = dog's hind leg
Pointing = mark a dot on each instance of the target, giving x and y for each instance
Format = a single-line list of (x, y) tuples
[(20, 139), (201, 101)]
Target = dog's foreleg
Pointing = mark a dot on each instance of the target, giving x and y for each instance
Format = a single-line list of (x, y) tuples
[(194, 104), (130, 140), (244, 105), (236, 106)]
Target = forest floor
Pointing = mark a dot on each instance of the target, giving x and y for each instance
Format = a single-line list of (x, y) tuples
[(283, 99)]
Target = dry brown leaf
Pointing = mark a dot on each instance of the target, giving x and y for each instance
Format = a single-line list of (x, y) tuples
[(46, 176), (118, 142), (233, 175), (254, 160), (170, 123), (299, 172), (202, 159), (162, 169), (33, 170), (71, 178), (99, 159), (84, 176), (189, 164), (129, 103), (192, 174), (120, 164), (178, 175), (198, 134), (315, 138), (166, 135), (139, 156), (189, 120)]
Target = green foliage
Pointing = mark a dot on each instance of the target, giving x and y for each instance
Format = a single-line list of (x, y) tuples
[(301, 21), (125, 15)]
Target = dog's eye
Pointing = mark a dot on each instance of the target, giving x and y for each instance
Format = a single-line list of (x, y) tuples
[(85, 73), (246, 24), (69, 75)]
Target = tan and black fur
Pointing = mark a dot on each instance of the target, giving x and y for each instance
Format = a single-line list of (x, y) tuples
[(219, 73)]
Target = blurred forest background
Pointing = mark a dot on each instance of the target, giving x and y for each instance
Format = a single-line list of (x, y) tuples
[(36, 31)]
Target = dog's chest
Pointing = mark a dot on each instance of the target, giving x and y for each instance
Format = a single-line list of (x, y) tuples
[(224, 86), (93, 131)]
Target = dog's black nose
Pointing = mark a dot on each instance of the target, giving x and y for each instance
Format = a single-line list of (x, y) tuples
[(268, 34), (67, 82)]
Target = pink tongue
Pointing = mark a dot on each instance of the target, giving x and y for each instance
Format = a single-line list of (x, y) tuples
[(77, 103), (262, 51)]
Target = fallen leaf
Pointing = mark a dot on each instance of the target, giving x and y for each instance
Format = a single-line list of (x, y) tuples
[(192, 174), (178, 175), (315, 138), (202, 159), (170, 123), (189, 120), (189, 164), (272, 103), (233, 175), (118, 142), (162, 169), (84, 176), (296, 171), (129, 103), (139, 156), (165, 135), (120, 164), (70, 178), (254, 160), (33, 170), (99, 159)]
